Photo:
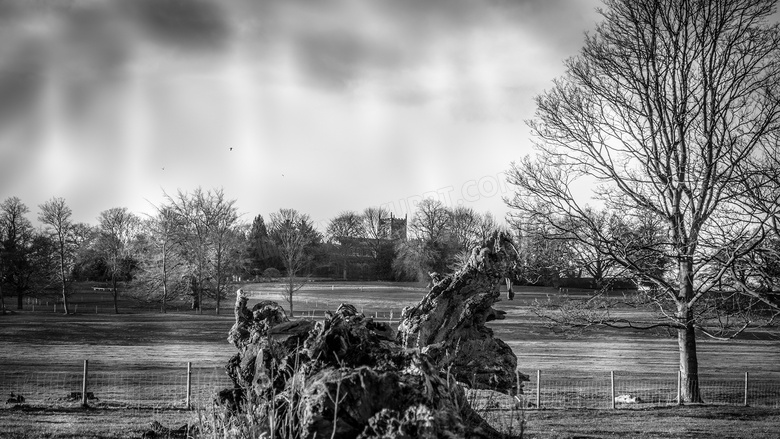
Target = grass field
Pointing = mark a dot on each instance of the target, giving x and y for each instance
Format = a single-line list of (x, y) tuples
[(143, 345)]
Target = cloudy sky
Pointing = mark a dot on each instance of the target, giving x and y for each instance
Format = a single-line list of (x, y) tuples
[(321, 106)]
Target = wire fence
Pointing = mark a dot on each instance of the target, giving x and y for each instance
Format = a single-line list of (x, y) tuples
[(166, 388), (631, 390), (143, 389)]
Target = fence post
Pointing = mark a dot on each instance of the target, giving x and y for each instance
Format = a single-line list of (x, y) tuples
[(747, 380), (189, 384), (538, 389), (84, 385), (679, 387), (612, 387)]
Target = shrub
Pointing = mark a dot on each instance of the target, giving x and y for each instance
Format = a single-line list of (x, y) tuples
[(271, 273)]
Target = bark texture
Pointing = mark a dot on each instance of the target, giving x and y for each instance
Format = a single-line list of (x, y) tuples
[(448, 325)]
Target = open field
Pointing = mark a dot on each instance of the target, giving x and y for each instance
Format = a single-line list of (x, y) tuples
[(700, 422), (140, 348)]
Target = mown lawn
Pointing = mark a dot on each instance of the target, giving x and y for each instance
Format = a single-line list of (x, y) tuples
[(716, 422)]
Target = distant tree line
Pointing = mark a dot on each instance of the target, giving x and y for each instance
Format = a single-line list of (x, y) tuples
[(195, 247)]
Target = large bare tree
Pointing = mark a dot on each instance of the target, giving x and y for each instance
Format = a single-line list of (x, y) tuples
[(428, 251), (346, 231), (222, 217), (55, 215), (205, 222), (663, 109), (117, 228), (377, 229), (294, 235), (16, 240), (161, 276)]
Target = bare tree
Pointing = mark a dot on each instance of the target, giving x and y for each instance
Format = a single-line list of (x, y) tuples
[(56, 218), (378, 236), (222, 218), (429, 251), (431, 221), (161, 276), (663, 108), (294, 235), (373, 225), (193, 236), (545, 256), (117, 229), (464, 225), (487, 225), (346, 230), (16, 240)]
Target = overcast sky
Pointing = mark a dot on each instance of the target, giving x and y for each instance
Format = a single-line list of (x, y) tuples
[(327, 105)]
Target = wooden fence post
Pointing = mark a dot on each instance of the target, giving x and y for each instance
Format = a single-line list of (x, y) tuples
[(538, 389), (84, 384), (189, 385), (747, 380), (612, 387)]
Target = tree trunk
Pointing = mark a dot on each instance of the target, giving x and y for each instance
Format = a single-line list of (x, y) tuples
[(689, 365), (2, 301), (164, 277), (164, 294), (686, 337), (64, 285), (219, 273), (64, 297), (19, 298), (290, 292), (509, 293), (113, 287)]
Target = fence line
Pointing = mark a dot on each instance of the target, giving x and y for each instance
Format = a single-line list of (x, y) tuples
[(143, 389), (627, 390), (190, 386)]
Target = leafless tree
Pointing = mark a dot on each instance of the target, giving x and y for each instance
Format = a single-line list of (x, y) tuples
[(16, 239), (664, 108), (487, 225), (429, 250), (431, 220), (222, 219), (193, 236), (346, 231), (55, 215), (294, 235), (464, 228), (161, 275), (117, 229)]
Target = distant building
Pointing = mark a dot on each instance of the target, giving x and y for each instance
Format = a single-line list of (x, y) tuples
[(394, 228), (365, 258)]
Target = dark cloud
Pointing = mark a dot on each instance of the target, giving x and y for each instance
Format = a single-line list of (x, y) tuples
[(336, 42), (182, 24), (87, 45), (342, 57)]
